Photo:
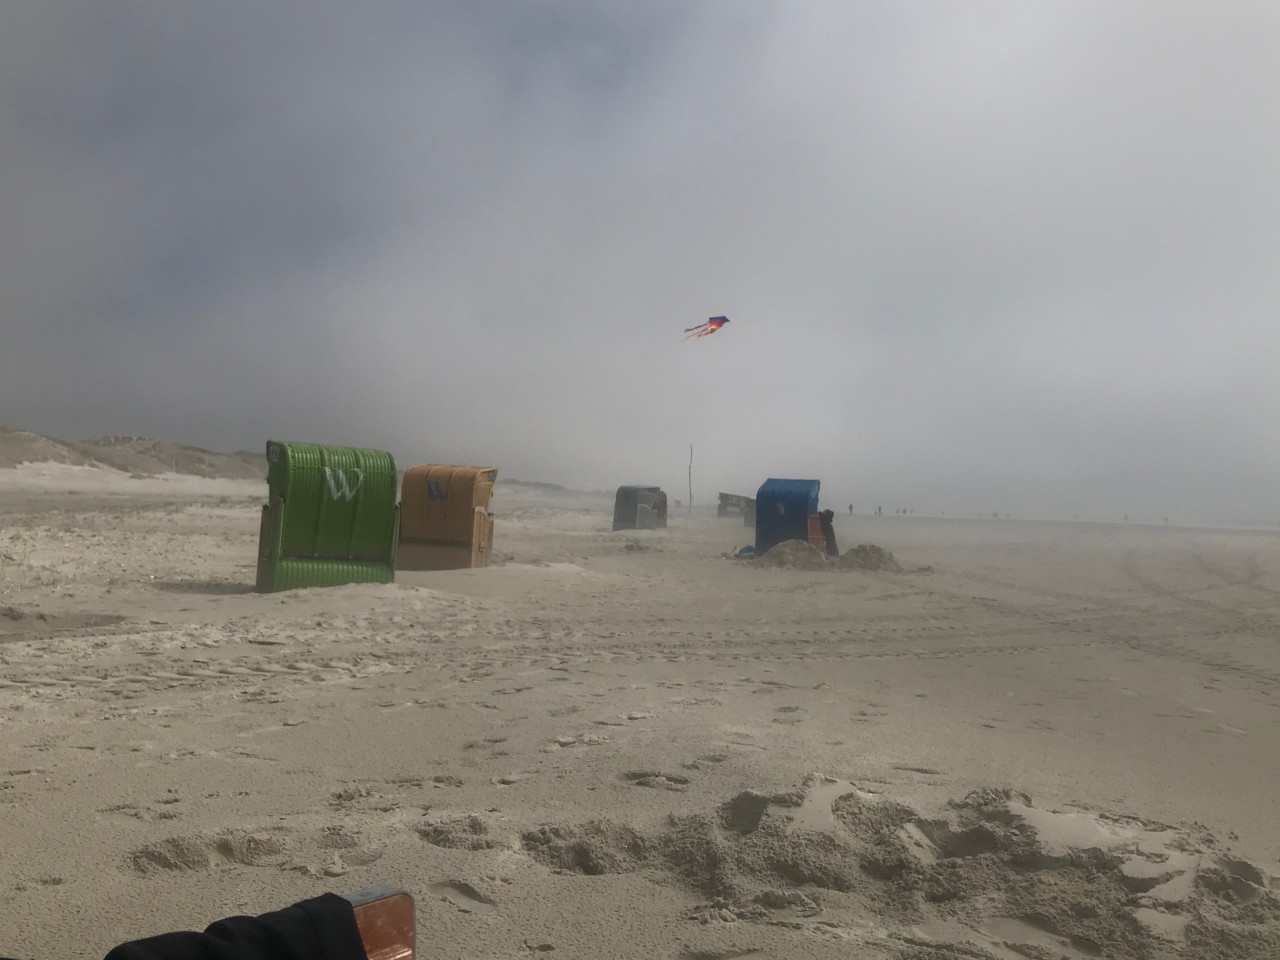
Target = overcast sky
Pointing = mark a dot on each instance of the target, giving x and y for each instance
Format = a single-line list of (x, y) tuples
[(977, 256)]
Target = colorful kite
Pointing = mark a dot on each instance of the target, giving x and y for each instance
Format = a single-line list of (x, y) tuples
[(706, 329)]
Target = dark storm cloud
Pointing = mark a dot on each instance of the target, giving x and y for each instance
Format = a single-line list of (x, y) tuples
[(978, 257)]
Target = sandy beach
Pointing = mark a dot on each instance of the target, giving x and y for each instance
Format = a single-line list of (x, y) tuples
[(1056, 740)]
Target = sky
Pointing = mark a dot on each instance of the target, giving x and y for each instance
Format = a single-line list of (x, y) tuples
[(977, 257)]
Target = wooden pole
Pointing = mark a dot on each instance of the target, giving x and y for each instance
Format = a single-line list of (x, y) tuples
[(691, 479)]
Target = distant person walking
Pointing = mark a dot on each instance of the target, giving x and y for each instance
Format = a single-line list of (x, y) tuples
[(851, 509)]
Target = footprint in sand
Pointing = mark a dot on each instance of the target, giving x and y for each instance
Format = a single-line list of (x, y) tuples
[(511, 779), (657, 780), (463, 896), (204, 852)]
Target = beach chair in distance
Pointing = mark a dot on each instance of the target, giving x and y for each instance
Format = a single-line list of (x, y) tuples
[(385, 918)]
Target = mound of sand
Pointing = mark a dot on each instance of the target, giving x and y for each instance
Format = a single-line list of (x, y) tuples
[(799, 555), (991, 876), (468, 832), (794, 555), (867, 556)]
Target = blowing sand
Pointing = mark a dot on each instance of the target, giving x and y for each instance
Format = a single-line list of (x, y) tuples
[(1062, 740)]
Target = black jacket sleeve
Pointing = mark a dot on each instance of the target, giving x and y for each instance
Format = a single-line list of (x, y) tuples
[(323, 928)]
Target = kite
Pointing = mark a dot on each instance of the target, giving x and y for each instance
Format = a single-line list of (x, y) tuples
[(706, 329)]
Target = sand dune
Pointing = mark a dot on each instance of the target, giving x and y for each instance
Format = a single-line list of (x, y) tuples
[(131, 455), (1059, 741)]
